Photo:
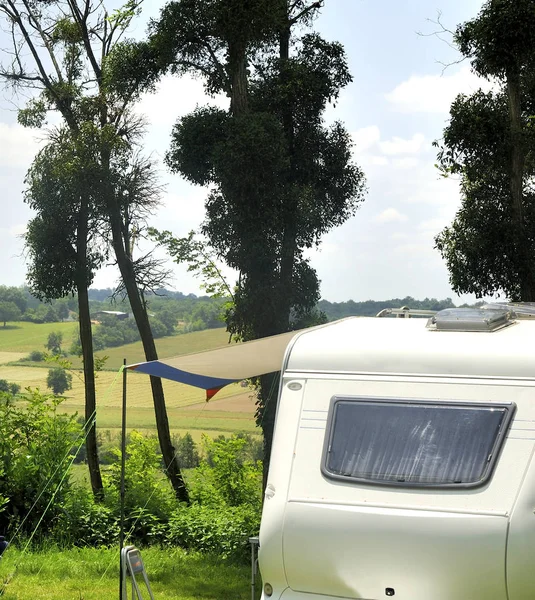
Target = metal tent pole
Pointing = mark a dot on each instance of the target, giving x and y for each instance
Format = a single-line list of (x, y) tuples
[(122, 492)]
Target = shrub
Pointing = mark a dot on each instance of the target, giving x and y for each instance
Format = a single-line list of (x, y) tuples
[(84, 522), (36, 356), (35, 441), (186, 451), (149, 498), (223, 530), (227, 475), (9, 388)]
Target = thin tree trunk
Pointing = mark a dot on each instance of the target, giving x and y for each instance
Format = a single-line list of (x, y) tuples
[(526, 271), (142, 321), (86, 341)]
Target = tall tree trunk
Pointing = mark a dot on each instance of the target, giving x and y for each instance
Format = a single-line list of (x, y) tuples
[(126, 268), (289, 243), (518, 157), (239, 102), (86, 341)]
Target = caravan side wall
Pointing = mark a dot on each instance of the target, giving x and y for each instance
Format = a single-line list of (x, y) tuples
[(323, 537)]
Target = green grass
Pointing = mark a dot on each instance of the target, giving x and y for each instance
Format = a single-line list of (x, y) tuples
[(25, 337), (186, 343), (140, 413), (92, 574)]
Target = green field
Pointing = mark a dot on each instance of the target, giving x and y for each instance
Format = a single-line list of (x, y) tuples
[(92, 574), (25, 337), (230, 411)]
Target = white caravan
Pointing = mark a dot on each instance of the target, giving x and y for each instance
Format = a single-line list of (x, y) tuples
[(402, 462)]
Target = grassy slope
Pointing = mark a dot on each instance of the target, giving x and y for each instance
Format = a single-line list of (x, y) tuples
[(25, 337), (92, 574), (109, 384)]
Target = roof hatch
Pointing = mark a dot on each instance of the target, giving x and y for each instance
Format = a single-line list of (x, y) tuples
[(471, 319)]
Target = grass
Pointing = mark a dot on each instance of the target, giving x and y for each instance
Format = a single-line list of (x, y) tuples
[(20, 339), (25, 337), (92, 574), (186, 343)]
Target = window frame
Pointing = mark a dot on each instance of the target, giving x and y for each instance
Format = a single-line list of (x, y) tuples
[(509, 407)]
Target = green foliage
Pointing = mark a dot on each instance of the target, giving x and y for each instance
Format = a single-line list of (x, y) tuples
[(83, 521), (227, 475), (223, 530), (54, 342), (35, 441), (9, 312), (9, 388), (14, 295), (58, 380), (146, 495), (37, 356), (490, 245), (186, 451)]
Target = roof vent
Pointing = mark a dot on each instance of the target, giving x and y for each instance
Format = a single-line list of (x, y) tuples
[(470, 319), (519, 310)]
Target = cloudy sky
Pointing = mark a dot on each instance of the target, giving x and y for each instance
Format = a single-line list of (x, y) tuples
[(396, 106)]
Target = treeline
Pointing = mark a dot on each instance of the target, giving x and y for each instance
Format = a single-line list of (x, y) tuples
[(369, 308), (170, 312)]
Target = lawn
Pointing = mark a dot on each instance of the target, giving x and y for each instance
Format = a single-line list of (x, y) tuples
[(92, 574)]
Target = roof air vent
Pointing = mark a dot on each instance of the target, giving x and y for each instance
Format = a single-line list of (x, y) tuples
[(470, 319)]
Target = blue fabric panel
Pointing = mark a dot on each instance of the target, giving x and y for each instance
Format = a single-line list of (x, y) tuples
[(159, 369)]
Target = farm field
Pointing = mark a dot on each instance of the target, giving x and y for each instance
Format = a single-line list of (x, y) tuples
[(22, 337), (231, 410), (186, 343), (92, 574)]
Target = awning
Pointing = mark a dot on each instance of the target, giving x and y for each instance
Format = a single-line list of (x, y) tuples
[(213, 369)]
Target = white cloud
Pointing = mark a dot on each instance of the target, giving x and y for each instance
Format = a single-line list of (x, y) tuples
[(17, 230), (398, 145), (408, 162), (365, 138), (18, 145), (391, 215), (434, 93), (175, 96)]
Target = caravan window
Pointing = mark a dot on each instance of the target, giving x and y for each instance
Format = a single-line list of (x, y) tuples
[(413, 443)]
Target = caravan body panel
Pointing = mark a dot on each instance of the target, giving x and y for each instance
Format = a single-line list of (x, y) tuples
[(324, 538)]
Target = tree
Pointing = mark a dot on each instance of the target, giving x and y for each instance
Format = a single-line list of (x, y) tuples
[(490, 246), (279, 178), (9, 311), (54, 342), (64, 252), (15, 295), (69, 45), (58, 380)]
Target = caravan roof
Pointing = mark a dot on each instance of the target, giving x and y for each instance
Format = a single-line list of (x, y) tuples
[(408, 346)]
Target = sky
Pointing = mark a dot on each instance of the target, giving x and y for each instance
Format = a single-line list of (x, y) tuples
[(396, 106)]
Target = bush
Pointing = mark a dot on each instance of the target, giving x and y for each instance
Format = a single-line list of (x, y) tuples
[(9, 388), (149, 498), (186, 451), (85, 522), (224, 530), (35, 441), (227, 475), (36, 356)]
